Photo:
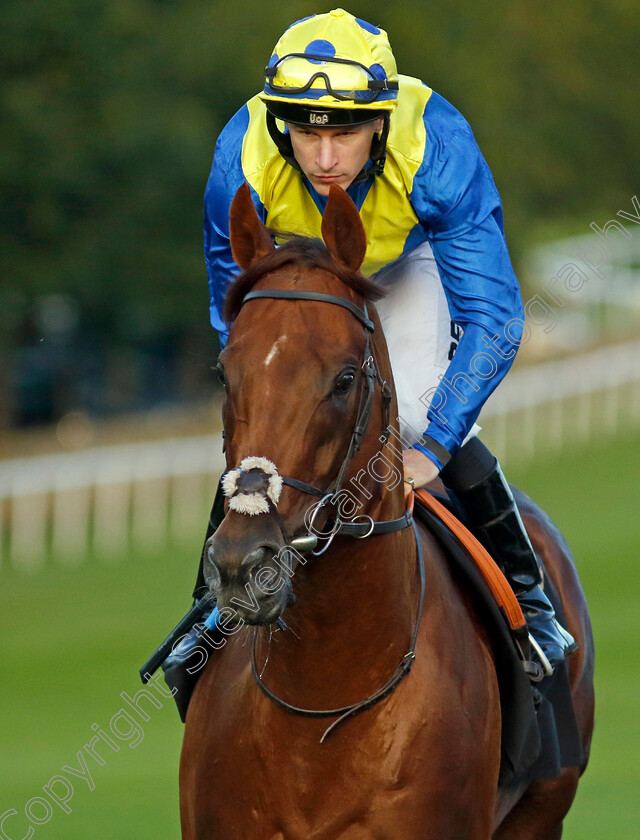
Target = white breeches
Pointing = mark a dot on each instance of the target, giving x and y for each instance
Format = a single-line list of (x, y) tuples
[(420, 335)]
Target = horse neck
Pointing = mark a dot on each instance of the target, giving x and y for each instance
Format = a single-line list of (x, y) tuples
[(352, 623)]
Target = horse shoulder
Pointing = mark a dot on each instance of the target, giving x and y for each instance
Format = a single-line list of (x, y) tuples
[(455, 672)]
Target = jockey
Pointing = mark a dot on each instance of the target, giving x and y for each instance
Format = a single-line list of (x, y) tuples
[(335, 111)]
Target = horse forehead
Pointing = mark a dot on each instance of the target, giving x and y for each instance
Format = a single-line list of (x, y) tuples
[(314, 330), (297, 342), (275, 329)]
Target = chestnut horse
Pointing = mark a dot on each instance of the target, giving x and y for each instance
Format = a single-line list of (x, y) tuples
[(306, 402)]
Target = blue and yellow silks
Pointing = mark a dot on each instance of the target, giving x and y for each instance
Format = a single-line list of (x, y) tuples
[(436, 187)]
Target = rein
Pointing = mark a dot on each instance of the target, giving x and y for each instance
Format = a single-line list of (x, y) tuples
[(346, 712), (359, 530)]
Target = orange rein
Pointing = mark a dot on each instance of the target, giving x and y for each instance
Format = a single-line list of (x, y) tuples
[(485, 564)]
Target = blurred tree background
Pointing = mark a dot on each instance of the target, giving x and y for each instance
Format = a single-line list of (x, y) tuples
[(110, 112)]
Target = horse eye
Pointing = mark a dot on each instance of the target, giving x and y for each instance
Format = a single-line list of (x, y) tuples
[(344, 382)]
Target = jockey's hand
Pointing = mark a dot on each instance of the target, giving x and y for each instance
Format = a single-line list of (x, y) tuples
[(419, 468)]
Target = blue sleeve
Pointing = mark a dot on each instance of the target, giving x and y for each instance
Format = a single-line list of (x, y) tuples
[(224, 180), (457, 202)]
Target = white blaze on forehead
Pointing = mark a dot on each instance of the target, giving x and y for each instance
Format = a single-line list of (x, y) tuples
[(277, 345)]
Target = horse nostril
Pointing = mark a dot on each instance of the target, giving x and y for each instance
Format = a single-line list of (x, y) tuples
[(256, 558), (256, 568), (255, 575), (212, 572), (213, 579), (263, 574)]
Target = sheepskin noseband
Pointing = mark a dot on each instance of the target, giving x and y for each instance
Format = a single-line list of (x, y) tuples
[(252, 485)]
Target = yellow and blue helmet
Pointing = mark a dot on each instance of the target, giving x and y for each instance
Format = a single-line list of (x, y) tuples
[(331, 69)]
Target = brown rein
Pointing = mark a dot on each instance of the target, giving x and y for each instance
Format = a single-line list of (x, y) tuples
[(346, 712)]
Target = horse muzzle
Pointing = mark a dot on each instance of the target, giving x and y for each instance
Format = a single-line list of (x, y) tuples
[(255, 586), (249, 561)]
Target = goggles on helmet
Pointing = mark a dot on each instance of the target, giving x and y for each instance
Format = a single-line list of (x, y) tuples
[(344, 79)]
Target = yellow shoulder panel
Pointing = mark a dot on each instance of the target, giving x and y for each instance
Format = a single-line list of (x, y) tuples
[(386, 213), (279, 186), (408, 135)]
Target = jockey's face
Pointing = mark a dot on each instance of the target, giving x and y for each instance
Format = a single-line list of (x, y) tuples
[(332, 155)]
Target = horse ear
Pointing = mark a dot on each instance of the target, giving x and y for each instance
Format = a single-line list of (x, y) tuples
[(342, 229), (250, 239)]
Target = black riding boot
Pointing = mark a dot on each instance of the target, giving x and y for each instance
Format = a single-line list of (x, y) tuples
[(478, 486), (180, 662)]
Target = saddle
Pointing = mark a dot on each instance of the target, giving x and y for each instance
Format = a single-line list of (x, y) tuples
[(540, 734)]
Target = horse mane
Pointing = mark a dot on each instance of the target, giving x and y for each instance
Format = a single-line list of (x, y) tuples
[(307, 252)]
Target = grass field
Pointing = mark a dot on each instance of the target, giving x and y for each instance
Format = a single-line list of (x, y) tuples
[(73, 639)]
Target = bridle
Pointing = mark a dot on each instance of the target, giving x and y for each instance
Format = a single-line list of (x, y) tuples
[(369, 370), (371, 375)]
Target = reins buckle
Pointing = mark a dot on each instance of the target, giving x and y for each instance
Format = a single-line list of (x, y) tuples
[(368, 366), (372, 525), (407, 661)]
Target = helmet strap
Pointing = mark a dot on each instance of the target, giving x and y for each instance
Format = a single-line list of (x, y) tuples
[(379, 147), (282, 141), (378, 154)]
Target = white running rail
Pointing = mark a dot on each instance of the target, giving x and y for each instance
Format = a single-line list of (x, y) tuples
[(107, 500), (542, 409)]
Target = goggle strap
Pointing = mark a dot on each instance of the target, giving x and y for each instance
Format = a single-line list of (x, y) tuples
[(383, 84), (270, 70)]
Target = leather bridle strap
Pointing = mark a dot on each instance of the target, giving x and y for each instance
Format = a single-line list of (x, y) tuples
[(294, 294), (302, 486), (369, 370), (372, 529), (365, 407), (346, 712)]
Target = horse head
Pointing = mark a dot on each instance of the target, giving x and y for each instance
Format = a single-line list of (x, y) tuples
[(307, 406)]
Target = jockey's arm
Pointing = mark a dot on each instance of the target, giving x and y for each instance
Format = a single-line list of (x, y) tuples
[(225, 179), (457, 202)]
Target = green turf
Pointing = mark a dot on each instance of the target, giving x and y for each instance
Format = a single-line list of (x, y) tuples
[(593, 496), (74, 638)]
